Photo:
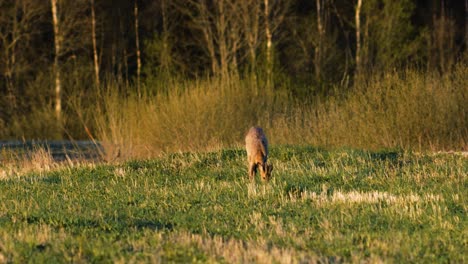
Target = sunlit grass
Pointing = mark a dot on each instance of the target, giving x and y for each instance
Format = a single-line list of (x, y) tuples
[(321, 205)]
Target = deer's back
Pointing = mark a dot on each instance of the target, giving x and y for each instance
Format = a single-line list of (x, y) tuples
[(256, 144)]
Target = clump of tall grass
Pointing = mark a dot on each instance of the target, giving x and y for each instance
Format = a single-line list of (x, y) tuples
[(408, 109), (14, 163), (191, 116)]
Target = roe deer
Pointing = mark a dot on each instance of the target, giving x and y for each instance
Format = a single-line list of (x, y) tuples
[(257, 153)]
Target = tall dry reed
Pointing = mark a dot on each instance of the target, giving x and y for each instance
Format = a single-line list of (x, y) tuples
[(408, 109)]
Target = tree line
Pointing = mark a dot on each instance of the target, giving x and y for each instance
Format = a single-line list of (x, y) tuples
[(54, 50)]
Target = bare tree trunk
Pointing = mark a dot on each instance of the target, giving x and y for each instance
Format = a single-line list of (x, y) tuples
[(17, 21), (250, 12), (466, 24), (222, 35), (319, 47), (125, 68), (57, 44), (95, 53), (207, 32), (10, 61), (348, 53), (138, 53), (441, 43), (358, 38), (165, 54), (269, 61)]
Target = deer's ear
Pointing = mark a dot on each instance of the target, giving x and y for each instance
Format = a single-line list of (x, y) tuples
[(270, 167)]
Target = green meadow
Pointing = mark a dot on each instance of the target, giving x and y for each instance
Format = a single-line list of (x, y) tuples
[(322, 205)]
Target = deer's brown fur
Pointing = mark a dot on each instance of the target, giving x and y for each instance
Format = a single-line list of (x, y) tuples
[(256, 145)]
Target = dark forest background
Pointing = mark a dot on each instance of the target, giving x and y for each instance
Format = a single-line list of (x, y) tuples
[(65, 63)]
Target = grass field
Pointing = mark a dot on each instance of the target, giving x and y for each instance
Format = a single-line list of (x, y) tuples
[(328, 206)]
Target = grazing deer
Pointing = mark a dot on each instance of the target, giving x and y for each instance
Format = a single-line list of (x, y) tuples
[(257, 153)]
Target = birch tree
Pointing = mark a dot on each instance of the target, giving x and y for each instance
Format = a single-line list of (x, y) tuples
[(274, 14), (166, 58), (161, 60), (70, 28), (358, 37), (217, 31), (95, 52), (442, 40), (465, 54), (17, 25), (268, 36), (57, 49), (250, 15), (137, 45), (319, 48)]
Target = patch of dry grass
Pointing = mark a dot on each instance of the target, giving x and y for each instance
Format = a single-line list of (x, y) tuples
[(40, 161), (409, 109)]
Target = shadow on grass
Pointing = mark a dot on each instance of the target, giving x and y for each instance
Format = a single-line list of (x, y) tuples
[(105, 224), (152, 224), (391, 156)]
